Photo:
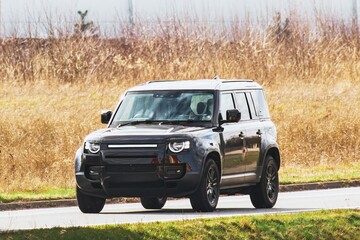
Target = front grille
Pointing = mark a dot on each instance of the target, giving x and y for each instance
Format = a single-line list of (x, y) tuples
[(129, 146), (133, 154)]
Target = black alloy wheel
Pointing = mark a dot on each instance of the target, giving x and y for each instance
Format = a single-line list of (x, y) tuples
[(265, 193), (212, 185), (272, 182), (206, 197)]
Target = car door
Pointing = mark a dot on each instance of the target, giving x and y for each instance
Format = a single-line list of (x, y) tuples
[(254, 133), (246, 123), (233, 135)]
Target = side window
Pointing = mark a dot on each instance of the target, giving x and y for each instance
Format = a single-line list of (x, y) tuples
[(253, 114), (242, 106), (226, 103), (261, 107)]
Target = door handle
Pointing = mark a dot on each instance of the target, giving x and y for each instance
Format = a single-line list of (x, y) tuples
[(259, 132), (241, 135)]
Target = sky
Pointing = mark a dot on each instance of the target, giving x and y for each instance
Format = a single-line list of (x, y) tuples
[(25, 14)]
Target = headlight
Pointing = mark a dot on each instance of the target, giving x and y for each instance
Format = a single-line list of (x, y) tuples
[(92, 147), (177, 147)]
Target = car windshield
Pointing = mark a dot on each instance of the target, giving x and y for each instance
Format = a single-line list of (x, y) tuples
[(165, 106)]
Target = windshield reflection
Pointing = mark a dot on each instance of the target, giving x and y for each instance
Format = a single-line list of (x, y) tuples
[(166, 106)]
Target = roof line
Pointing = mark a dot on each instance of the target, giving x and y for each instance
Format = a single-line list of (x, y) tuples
[(154, 81), (238, 80), (222, 80)]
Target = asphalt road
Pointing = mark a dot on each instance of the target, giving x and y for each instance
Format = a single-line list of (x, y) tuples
[(288, 202)]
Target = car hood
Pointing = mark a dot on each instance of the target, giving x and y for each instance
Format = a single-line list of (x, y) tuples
[(143, 133)]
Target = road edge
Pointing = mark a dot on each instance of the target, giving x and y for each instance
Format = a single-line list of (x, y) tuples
[(72, 202)]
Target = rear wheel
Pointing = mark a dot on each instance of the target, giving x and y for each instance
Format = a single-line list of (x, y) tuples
[(205, 199), (265, 193), (153, 202), (89, 204)]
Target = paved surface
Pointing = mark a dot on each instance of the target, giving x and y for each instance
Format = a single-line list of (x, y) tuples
[(288, 202)]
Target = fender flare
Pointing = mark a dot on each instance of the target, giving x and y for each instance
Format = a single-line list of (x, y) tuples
[(78, 159), (218, 161), (273, 150)]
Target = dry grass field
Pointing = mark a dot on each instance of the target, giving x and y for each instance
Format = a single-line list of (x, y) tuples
[(52, 91)]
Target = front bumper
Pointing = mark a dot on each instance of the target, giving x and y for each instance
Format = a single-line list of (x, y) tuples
[(138, 184)]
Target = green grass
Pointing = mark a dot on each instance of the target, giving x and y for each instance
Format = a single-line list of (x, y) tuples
[(50, 193), (334, 224)]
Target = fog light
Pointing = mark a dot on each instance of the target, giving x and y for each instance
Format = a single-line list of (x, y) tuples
[(93, 172)]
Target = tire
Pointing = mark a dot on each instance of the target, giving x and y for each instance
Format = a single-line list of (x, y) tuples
[(89, 204), (265, 193), (206, 197), (153, 202)]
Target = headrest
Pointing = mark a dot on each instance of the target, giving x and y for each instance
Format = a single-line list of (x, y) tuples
[(201, 107)]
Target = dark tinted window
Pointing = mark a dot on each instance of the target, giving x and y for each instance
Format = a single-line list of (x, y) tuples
[(253, 114), (261, 107), (226, 103), (242, 106)]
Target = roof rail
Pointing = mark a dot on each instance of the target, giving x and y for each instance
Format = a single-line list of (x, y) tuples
[(215, 78), (154, 81), (237, 80)]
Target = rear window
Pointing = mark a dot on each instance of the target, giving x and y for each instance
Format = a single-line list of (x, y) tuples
[(261, 107)]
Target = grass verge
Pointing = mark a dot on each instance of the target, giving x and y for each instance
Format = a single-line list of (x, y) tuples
[(319, 173), (330, 224), (51, 193)]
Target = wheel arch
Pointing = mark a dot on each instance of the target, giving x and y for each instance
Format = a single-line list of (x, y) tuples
[(77, 159), (275, 153), (216, 157)]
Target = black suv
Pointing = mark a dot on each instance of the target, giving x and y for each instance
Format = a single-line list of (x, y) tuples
[(191, 138)]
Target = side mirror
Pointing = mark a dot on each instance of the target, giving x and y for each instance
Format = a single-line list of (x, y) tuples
[(105, 116), (232, 115)]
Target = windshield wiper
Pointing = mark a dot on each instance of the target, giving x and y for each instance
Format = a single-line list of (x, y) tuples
[(135, 122), (172, 122), (179, 121)]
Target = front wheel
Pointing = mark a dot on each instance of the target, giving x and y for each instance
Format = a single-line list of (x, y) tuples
[(153, 202), (265, 193), (205, 199), (89, 204)]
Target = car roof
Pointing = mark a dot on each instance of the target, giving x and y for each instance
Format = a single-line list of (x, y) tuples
[(200, 84)]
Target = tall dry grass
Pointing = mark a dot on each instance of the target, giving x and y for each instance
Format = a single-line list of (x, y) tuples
[(52, 89)]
